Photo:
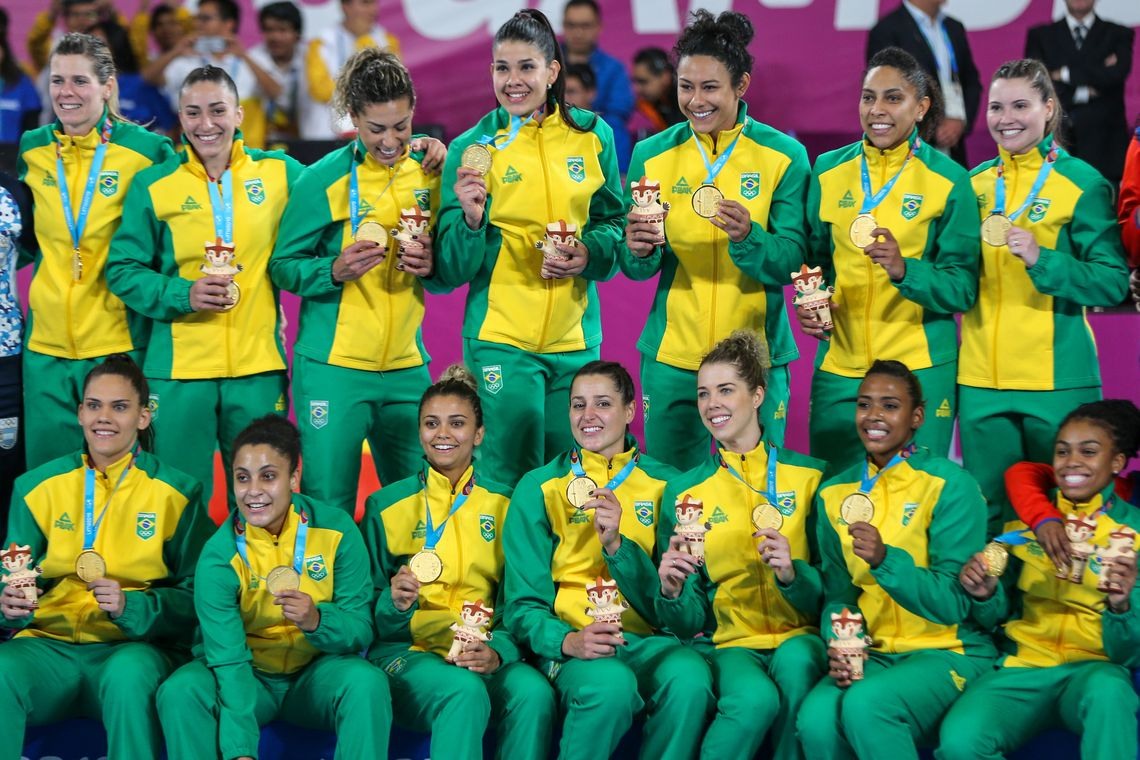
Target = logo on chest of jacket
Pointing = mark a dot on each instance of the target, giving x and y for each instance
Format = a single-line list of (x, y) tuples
[(315, 567), (396, 666), (944, 409), (420, 531), (318, 413), (493, 378), (576, 167), (511, 176), (750, 184), (911, 204), (255, 191), (682, 187), (644, 512), (645, 407), (145, 524), (580, 517), (152, 406), (423, 198), (909, 509), (718, 516), (781, 412), (64, 523), (982, 203), (49, 180), (190, 204), (108, 183), (1038, 210), (786, 502), (279, 407), (847, 201), (9, 428), (487, 527)]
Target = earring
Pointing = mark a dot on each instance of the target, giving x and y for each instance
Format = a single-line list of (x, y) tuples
[(548, 85)]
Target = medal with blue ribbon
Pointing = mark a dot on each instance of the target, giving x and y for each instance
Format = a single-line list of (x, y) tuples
[(220, 253), (426, 564), (581, 487), (996, 555), (90, 565), (859, 507), (76, 225), (764, 515), (863, 226), (478, 154), (706, 198), (996, 226), (371, 231), (283, 577)]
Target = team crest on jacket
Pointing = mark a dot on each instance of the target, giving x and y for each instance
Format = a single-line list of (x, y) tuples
[(145, 523), (255, 191), (645, 406), (487, 527), (909, 509), (9, 427), (576, 166), (682, 187), (493, 378), (786, 502), (1038, 210), (644, 512), (750, 184), (152, 406), (108, 183), (423, 198), (910, 206), (847, 201), (318, 414), (315, 567)]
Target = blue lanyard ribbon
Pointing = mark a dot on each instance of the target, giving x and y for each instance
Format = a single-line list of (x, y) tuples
[(355, 217), (298, 544), (872, 201), (1042, 175), (223, 206), (76, 226), (1014, 537), (770, 494), (616, 480), (713, 169), (517, 123), (90, 524), (868, 481), (434, 534)]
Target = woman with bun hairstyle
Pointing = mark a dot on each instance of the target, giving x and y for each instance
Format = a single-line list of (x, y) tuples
[(1050, 249), (78, 170), (359, 362), (753, 604), (452, 665), (99, 556), (532, 318), (733, 234), (894, 225)]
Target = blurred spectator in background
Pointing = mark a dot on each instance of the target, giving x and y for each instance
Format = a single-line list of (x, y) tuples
[(282, 55), (1129, 215), (655, 84), (15, 234), (613, 101), (19, 102), (581, 85), (77, 15), (327, 53), (139, 101), (165, 24)]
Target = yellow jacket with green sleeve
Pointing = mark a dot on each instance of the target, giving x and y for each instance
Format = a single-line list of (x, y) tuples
[(470, 548), (1028, 330), (150, 536), (931, 212), (932, 518), (69, 318), (734, 599), (709, 285), (158, 253), (552, 550), (374, 322), (1053, 621), (243, 630), (550, 172)]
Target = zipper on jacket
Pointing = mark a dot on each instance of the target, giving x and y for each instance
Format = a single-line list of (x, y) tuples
[(387, 345), (550, 218), (868, 357), (715, 268), (763, 577), (459, 562), (71, 280), (997, 311)]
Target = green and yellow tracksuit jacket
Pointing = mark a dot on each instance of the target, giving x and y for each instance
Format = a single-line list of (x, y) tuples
[(1028, 330), (933, 217), (158, 253), (932, 519), (734, 599), (1053, 621), (372, 323), (150, 537), (242, 630), (471, 549), (709, 285), (553, 551), (81, 319), (549, 173)]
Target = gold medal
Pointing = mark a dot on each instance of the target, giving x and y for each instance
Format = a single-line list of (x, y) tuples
[(282, 578), (861, 228), (233, 292), (76, 265), (857, 507), (90, 566), (579, 489), (765, 516), (996, 557), (373, 232), (478, 157), (426, 566), (995, 229), (706, 201)]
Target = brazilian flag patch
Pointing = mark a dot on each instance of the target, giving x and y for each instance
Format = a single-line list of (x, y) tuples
[(487, 527), (315, 567), (644, 512)]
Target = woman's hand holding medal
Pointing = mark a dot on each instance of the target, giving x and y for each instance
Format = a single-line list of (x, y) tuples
[(405, 589), (884, 251), (867, 543), (298, 608), (607, 518), (1024, 246), (676, 566), (976, 579), (471, 190), (734, 219)]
